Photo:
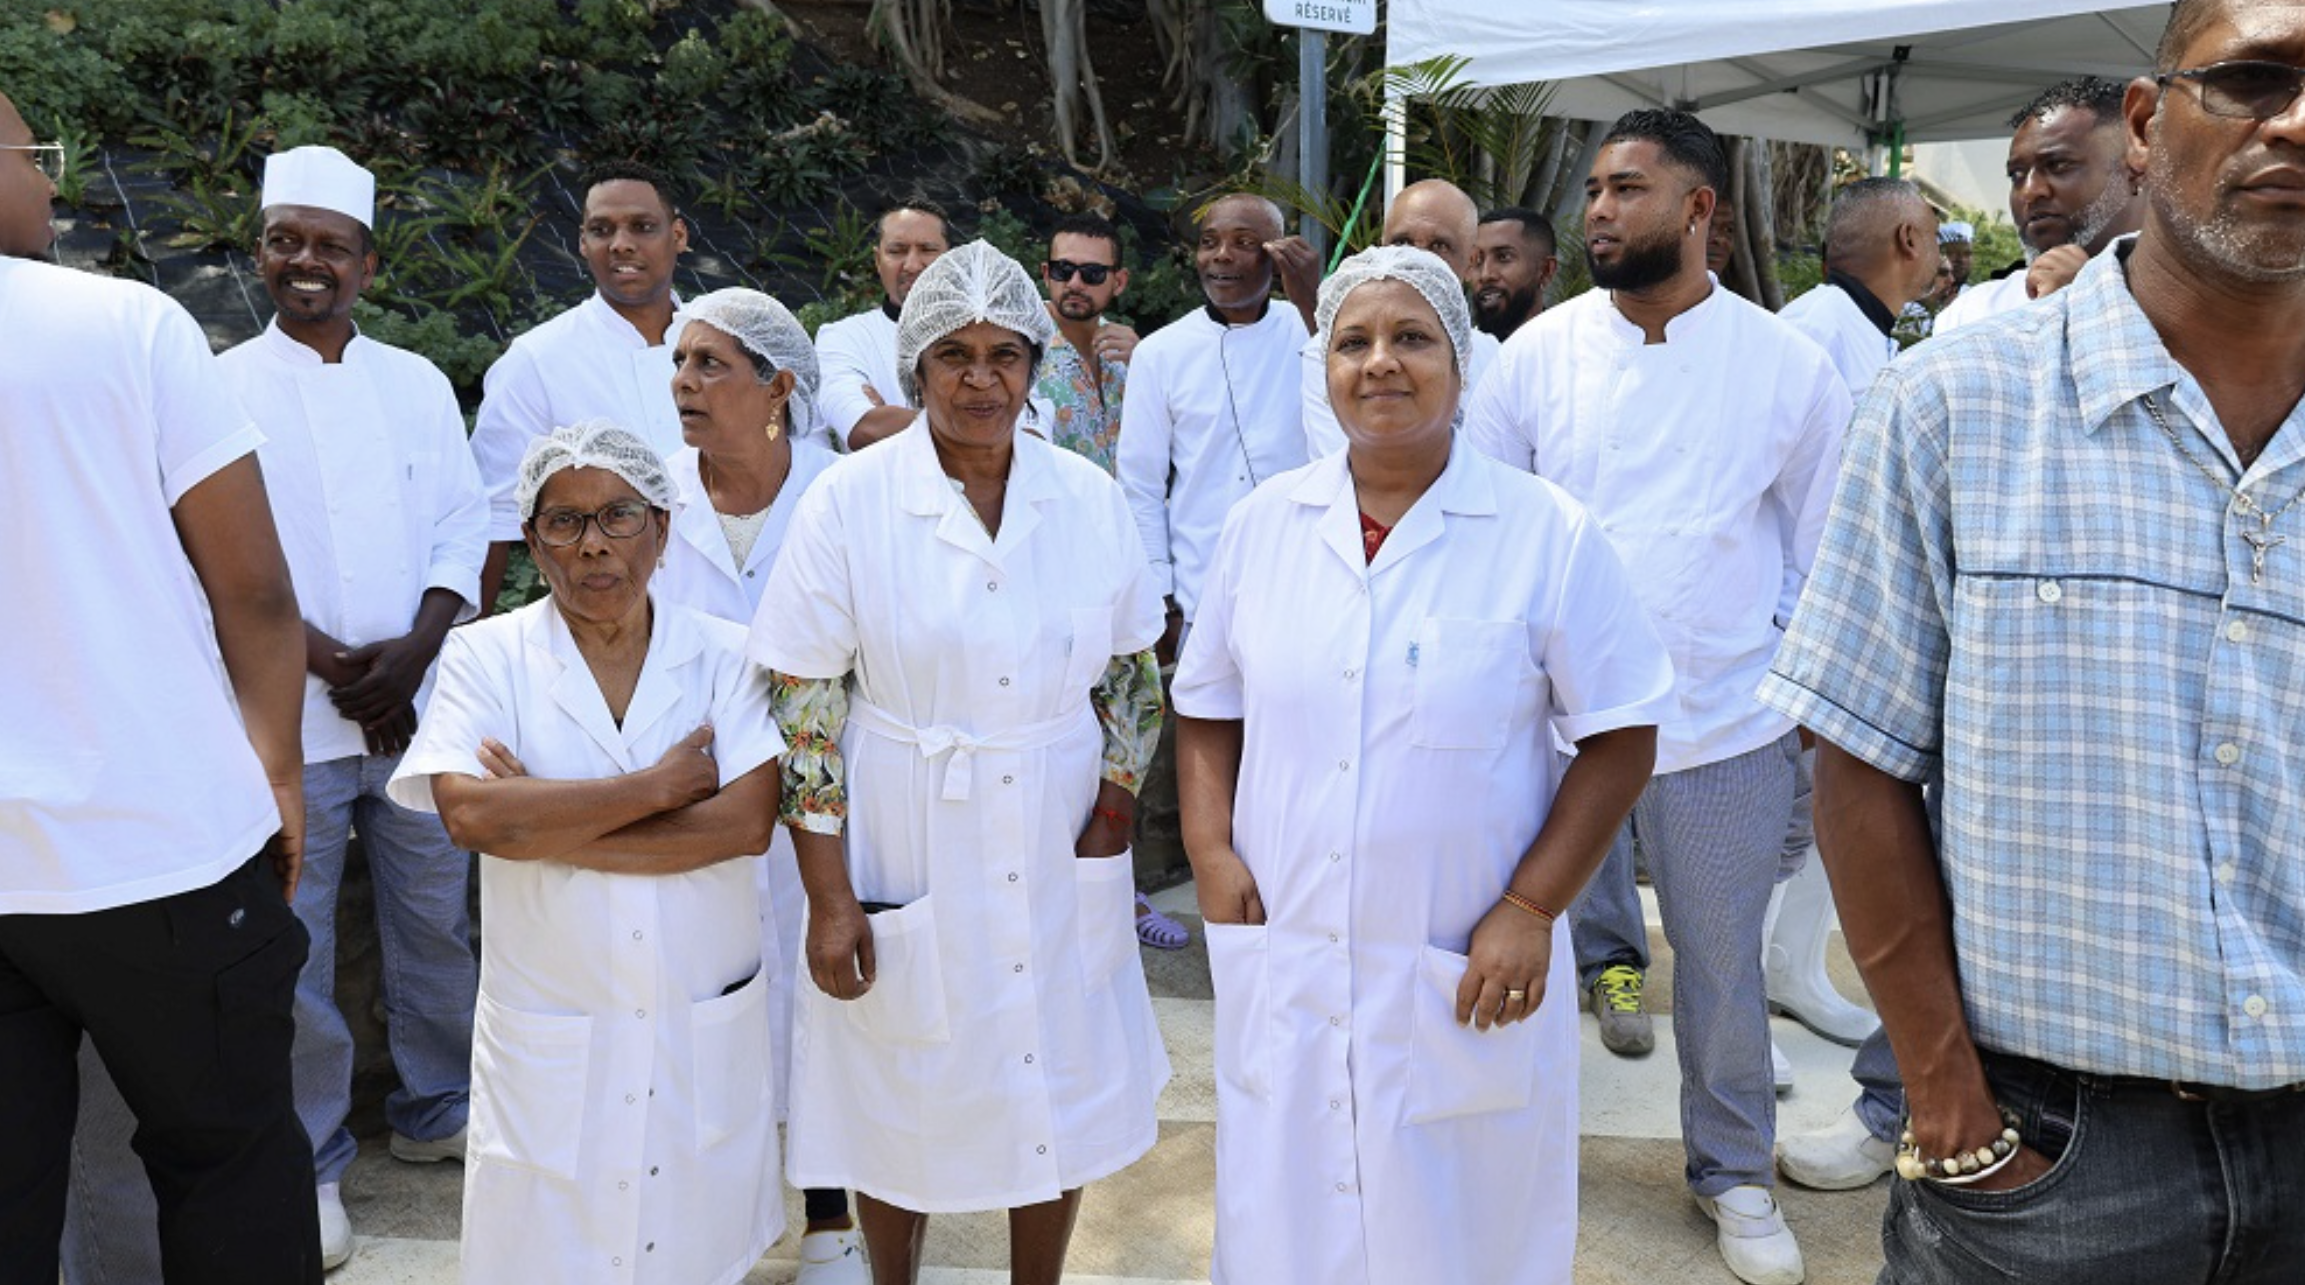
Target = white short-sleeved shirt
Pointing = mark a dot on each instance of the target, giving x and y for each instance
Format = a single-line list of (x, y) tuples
[(587, 362), (1982, 300), (374, 491), (853, 354), (1708, 459), (125, 774)]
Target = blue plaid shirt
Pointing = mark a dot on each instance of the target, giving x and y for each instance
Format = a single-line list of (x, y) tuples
[(2028, 597)]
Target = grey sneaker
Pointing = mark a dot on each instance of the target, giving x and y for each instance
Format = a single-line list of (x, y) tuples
[(1616, 1000), (418, 1151)]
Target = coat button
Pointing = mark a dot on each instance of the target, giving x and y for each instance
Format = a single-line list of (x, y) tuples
[(2228, 754), (2254, 1006), (2237, 631), (2049, 591)]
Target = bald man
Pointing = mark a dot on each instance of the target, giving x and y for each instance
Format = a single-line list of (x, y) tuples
[(1433, 215), (1212, 406)]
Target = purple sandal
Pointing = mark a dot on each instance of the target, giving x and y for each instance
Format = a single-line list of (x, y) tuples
[(1157, 930)]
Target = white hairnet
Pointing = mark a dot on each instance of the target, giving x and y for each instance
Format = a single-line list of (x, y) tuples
[(593, 443), (965, 285), (1422, 271), (768, 330)]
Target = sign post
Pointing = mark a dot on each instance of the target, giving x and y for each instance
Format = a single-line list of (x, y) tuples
[(1314, 19)]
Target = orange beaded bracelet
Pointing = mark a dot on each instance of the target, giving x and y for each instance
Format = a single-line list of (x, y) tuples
[(1517, 900)]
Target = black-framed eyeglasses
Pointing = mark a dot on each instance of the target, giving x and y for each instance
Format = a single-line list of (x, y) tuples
[(2245, 89), (48, 156), (559, 528), (1062, 270)]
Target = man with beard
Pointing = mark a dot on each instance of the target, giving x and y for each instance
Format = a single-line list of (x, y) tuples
[(1703, 434), (2059, 594), (605, 357), (1215, 402), (385, 526), (1077, 399), (860, 400), (1515, 257), (1433, 215), (151, 775), (2072, 190)]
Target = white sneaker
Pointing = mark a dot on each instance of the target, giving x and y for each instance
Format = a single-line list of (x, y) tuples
[(335, 1228), (1843, 1156), (833, 1258), (1753, 1238), (417, 1151), (1780, 1069)]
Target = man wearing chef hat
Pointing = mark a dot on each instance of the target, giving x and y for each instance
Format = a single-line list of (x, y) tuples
[(384, 523)]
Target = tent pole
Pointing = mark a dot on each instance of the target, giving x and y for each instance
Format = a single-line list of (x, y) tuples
[(1396, 145), (1313, 128), (1896, 149)]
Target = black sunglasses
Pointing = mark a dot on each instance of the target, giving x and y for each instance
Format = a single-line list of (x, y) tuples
[(2246, 89), (1062, 270)]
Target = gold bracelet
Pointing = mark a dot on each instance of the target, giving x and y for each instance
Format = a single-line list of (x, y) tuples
[(1517, 900)]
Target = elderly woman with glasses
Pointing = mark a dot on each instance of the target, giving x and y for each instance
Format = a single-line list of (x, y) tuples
[(1389, 642), (958, 632), (612, 759)]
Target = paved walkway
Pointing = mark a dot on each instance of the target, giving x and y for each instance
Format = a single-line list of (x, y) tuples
[(1151, 1224)]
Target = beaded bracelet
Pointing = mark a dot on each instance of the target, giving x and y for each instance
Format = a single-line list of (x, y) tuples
[(1517, 900), (1962, 1167), (1113, 816)]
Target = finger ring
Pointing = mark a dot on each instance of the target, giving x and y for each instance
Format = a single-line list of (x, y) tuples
[(1515, 997)]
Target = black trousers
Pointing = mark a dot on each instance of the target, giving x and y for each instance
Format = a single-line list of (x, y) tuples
[(188, 1000)]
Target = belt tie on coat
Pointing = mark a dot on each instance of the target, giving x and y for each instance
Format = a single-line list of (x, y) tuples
[(960, 770)]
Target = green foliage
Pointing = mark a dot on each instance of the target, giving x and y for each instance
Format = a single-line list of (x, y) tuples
[(433, 334), (1799, 272), (1997, 244)]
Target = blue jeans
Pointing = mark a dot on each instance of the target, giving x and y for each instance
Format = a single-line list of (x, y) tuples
[(2144, 1188)]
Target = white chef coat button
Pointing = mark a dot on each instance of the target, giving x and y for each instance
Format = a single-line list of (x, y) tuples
[(1004, 682), (629, 1099), (1008, 780), (2225, 872), (2049, 591), (636, 934), (2237, 631), (1012, 876), (1336, 856), (624, 1186), (992, 586), (1340, 1186), (1352, 674), (2254, 1006), (652, 1247), (2228, 754), (1332, 936), (1336, 1021), (749, 574), (1028, 1059), (618, 1262), (1041, 1150), (652, 1171), (1020, 968), (1335, 1105), (640, 1012), (1344, 765)]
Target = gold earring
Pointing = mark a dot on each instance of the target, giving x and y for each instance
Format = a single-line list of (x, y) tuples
[(776, 426)]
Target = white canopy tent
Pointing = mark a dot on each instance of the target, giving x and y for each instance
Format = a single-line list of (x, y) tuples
[(1845, 73)]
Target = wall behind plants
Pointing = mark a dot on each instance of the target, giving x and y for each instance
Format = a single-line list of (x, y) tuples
[(477, 119)]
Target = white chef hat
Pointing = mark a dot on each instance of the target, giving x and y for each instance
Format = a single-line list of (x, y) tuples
[(592, 443), (971, 283), (1955, 230), (323, 178), (1420, 270), (767, 330)]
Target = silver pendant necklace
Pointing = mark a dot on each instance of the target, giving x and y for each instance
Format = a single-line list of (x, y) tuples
[(2260, 541)]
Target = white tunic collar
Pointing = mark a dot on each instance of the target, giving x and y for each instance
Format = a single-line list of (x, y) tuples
[(1464, 487), (673, 642), (278, 345)]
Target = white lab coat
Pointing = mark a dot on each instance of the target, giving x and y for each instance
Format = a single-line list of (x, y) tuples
[(1397, 761), (700, 571), (1007, 1050), (622, 1126), (588, 362)]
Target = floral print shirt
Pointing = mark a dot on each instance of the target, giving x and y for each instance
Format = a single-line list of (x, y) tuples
[(1082, 393), (813, 711)]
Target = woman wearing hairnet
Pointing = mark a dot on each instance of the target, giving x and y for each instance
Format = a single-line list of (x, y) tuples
[(744, 381), (977, 1034), (1389, 641), (611, 758)]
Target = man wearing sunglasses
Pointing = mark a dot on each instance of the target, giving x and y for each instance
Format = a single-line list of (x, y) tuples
[(1076, 401), (2072, 190), (2062, 583)]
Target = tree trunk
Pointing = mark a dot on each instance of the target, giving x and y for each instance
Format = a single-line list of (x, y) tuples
[(1072, 78), (1760, 223), (1741, 279)]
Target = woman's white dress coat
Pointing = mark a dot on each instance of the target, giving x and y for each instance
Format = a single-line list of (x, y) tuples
[(1397, 762), (1007, 1050), (622, 1124)]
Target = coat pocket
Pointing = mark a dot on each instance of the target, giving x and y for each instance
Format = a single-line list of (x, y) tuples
[(1237, 967), (728, 1037), (1467, 681), (1090, 650), (1461, 1070), (906, 1003), (1107, 890), (531, 1075)]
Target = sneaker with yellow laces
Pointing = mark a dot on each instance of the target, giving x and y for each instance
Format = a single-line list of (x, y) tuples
[(1616, 1001)]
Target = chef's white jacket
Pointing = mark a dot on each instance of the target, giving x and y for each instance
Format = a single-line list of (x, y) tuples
[(853, 354)]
